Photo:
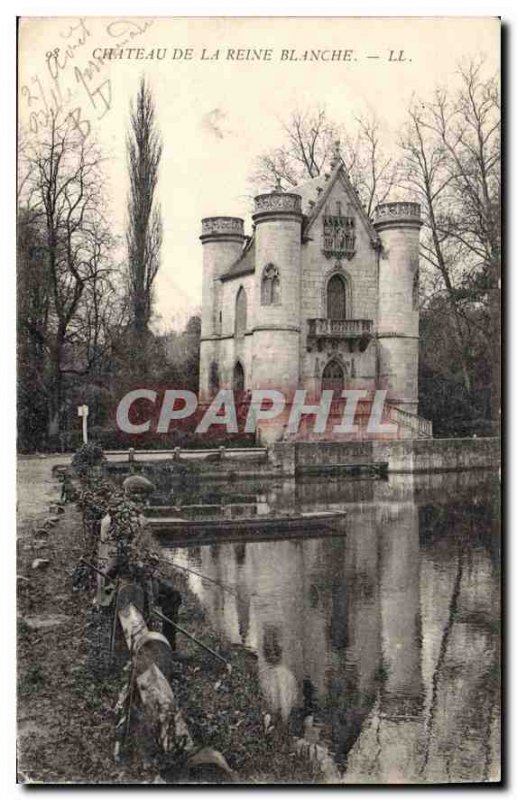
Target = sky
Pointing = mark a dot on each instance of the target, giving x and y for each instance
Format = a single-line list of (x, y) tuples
[(221, 89)]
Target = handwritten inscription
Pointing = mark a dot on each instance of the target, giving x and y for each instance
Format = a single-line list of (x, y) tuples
[(74, 81)]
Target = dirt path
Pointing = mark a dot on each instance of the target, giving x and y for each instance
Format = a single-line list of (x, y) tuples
[(37, 488)]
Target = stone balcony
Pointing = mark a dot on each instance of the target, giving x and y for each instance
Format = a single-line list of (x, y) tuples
[(356, 332)]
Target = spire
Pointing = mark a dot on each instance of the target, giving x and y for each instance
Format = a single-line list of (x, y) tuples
[(336, 154)]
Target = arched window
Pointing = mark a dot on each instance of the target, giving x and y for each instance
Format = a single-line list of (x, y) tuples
[(214, 377), (336, 298), (270, 290), (415, 291), (333, 377), (241, 313), (238, 377)]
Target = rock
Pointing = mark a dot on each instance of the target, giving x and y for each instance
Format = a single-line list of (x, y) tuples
[(208, 761), (138, 484), (40, 563), (45, 621)]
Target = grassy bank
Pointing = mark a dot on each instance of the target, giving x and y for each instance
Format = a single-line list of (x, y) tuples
[(66, 721)]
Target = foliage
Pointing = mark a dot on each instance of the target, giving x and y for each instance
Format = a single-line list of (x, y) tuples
[(182, 355), (144, 232), (443, 396), (98, 497), (94, 498), (124, 530), (89, 455)]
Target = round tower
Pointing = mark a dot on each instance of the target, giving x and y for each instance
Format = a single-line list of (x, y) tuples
[(398, 225), (276, 335), (223, 239)]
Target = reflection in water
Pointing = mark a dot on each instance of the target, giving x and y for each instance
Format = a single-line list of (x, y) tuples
[(388, 636)]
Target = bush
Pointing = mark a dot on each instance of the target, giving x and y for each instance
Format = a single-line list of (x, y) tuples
[(87, 457)]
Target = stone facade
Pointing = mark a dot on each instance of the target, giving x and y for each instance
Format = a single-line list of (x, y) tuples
[(319, 296)]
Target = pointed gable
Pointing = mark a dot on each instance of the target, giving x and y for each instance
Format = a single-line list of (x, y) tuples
[(318, 190)]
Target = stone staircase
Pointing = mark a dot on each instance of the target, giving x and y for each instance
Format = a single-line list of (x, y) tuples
[(420, 428), (409, 426)]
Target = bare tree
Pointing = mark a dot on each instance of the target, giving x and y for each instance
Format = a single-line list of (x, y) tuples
[(308, 149), (305, 153), (144, 232), (426, 176), (103, 311), (62, 198), (452, 163)]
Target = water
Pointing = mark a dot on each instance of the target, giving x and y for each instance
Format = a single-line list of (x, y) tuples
[(383, 643)]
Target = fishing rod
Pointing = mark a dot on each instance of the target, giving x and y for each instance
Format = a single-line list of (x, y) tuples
[(223, 586), (179, 566), (193, 638)]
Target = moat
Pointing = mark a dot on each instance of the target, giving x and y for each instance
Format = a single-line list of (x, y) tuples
[(380, 643)]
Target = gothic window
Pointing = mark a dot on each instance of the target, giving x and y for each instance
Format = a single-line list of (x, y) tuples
[(333, 376), (415, 291), (214, 377), (241, 313), (238, 377), (336, 298), (270, 290)]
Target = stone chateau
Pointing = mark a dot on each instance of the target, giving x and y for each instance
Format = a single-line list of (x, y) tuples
[(319, 296)]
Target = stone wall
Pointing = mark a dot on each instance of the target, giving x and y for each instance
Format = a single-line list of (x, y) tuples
[(434, 455), (415, 455)]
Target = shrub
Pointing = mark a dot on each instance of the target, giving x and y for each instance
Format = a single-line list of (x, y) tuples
[(86, 457)]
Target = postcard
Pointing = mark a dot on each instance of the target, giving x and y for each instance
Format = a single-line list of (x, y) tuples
[(259, 382)]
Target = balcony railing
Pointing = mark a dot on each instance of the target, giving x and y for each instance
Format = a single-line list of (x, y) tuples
[(340, 328), (355, 332)]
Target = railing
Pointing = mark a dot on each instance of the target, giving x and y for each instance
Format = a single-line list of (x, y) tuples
[(422, 427), (342, 328), (186, 454)]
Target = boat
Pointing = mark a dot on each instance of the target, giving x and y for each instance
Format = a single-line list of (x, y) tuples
[(259, 527)]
